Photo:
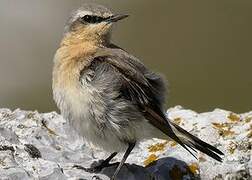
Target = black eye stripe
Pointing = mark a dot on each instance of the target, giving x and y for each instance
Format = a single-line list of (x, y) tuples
[(92, 19)]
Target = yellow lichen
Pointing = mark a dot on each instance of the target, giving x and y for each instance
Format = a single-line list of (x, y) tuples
[(224, 129), (31, 115), (250, 132), (176, 172), (194, 168), (150, 159), (220, 125), (177, 120), (232, 147), (225, 133), (157, 147), (173, 143), (248, 119), (179, 172), (234, 117)]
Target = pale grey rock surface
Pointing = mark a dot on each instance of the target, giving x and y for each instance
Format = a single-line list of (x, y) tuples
[(41, 146)]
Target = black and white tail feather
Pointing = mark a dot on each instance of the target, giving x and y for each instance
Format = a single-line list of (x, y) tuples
[(195, 143), (184, 138)]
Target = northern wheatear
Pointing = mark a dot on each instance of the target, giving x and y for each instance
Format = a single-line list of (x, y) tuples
[(108, 96)]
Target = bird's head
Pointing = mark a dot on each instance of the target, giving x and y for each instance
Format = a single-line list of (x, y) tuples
[(91, 22)]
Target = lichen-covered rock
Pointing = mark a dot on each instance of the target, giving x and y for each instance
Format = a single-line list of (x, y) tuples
[(42, 146)]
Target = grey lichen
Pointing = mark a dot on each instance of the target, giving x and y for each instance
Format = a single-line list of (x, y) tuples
[(42, 146)]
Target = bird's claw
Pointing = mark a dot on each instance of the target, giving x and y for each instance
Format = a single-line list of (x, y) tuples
[(95, 167), (90, 170)]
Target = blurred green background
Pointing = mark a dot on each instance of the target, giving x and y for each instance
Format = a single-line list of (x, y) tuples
[(202, 47)]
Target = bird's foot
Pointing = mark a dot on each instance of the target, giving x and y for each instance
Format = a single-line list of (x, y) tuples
[(96, 166)]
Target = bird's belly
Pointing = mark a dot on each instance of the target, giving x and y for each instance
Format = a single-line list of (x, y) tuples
[(96, 134), (84, 113), (104, 139)]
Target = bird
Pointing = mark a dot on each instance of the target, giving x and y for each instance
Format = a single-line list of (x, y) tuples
[(108, 96)]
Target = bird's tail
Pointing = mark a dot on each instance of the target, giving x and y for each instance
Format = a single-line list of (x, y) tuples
[(195, 143)]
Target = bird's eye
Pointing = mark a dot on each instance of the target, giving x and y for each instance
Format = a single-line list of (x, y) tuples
[(91, 19), (98, 19), (87, 18)]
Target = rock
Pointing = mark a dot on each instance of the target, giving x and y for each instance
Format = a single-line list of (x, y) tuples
[(42, 146)]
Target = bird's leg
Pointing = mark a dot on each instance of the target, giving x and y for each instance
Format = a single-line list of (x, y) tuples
[(125, 156), (99, 166)]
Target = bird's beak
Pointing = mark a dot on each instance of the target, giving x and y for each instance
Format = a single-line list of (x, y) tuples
[(116, 17)]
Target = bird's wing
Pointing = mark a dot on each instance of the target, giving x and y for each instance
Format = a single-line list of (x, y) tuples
[(143, 87), (146, 90), (140, 85)]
